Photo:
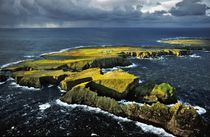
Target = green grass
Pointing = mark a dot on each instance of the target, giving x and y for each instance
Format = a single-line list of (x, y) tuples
[(188, 42)]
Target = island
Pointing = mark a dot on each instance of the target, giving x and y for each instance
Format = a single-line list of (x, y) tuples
[(79, 73)]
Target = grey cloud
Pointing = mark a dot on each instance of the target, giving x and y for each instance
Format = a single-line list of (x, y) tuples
[(95, 13), (19, 11), (189, 8)]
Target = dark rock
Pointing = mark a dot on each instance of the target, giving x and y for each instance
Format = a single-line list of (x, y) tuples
[(3, 78)]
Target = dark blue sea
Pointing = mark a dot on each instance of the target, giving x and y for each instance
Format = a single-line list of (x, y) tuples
[(27, 111)]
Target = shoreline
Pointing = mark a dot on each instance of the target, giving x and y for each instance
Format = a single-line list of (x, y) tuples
[(23, 76)]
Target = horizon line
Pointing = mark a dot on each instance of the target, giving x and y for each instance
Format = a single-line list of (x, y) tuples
[(98, 27)]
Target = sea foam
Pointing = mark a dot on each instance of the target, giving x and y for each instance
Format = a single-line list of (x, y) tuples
[(13, 63), (195, 56), (14, 84), (145, 127), (44, 106), (67, 49), (29, 56), (133, 65), (199, 109), (61, 90)]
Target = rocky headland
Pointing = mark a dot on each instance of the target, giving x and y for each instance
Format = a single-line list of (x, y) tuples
[(79, 73)]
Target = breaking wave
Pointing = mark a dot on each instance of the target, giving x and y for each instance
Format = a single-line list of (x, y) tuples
[(199, 109), (133, 65), (29, 56), (194, 56), (44, 106), (145, 127), (77, 47), (13, 63), (14, 84)]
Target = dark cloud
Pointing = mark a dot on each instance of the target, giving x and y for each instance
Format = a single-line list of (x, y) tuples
[(96, 13), (189, 8)]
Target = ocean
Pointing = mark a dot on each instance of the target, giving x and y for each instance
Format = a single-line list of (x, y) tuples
[(29, 111)]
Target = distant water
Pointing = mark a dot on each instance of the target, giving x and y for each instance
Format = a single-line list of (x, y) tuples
[(25, 111)]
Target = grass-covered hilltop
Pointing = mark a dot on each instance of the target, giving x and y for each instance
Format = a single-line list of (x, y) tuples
[(79, 73)]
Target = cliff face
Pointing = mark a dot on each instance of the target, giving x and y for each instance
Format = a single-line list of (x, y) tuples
[(156, 53), (39, 78), (78, 72), (179, 119), (151, 93)]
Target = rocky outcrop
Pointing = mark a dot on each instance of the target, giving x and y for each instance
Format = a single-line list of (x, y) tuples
[(98, 63), (114, 84), (151, 93), (179, 119), (156, 53), (82, 95), (38, 78), (79, 73), (79, 77), (110, 62), (164, 92), (3, 77)]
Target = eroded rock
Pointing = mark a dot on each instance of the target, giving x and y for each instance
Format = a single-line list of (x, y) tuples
[(179, 119), (151, 93), (79, 77), (39, 78), (114, 84)]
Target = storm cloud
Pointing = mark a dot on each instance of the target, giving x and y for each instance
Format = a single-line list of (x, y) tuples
[(103, 13), (189, 8)]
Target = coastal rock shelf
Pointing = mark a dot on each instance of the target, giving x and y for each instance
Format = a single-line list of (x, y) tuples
[(188, 43), (79, 73)]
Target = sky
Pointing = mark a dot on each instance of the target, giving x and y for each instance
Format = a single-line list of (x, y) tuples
[(104, 13)]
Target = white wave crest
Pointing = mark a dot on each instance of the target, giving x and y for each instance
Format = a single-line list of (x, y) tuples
[(207, 51), (144, 127), (13, 63), (151, 129), (105, 70), (9, 79), (93, 134), (195, 56), (62, 50), (44, 106), (160, 58), (199, 109), (133, 65), (67, 49), (141, 81), (129, 102), (2, 82), (29, 56), (176, 38), (14, 84), (61, 90)]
